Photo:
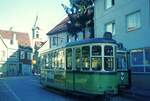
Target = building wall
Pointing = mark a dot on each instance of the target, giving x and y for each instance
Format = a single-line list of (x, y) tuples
[(9, 61), (57, 39), (25, 60), (3, 57), (118, 13), (139, 38)]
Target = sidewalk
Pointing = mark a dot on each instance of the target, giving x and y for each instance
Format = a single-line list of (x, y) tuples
[(138, 94)]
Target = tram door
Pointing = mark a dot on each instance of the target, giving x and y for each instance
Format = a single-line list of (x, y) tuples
[(122, 67), (69, 69)]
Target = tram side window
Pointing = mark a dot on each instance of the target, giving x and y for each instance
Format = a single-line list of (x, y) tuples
[(42, 61), (53, 60), (56, 62), (78, 58), (50, 60), (108, 50), (108, 58), (61, 60), (96, 51), (96, 58), (46, 61), (86, 58), (69, 59)]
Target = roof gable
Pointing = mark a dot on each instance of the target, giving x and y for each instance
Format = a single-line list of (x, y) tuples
[(22, 37), (61, 27)]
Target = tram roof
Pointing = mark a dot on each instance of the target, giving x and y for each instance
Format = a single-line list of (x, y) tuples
[(93, 40)]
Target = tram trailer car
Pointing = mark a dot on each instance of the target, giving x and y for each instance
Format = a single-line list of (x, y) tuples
[(124, 73), (87, 66)]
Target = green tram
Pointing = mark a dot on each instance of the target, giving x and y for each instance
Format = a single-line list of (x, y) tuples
[(88, 66)]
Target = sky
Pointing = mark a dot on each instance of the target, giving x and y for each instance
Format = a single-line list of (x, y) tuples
[(21, 14)]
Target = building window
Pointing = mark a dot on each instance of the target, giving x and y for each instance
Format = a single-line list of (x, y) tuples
[(137, 60), (22, 55), (133, 21), (109, 3), (140, 60), (147, 56), (110, 27), (2, 55), (137, 57), (29, 56), (55, 41), (37, 35)]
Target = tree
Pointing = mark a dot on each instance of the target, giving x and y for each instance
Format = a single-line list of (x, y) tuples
[(81, 15)]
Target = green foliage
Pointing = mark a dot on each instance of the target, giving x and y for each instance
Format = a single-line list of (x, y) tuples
[(80, 14)]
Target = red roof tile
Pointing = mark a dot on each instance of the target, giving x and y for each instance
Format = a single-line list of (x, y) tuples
[(22, 37)]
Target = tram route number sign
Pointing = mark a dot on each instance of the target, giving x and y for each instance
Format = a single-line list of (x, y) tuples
[(122, 76)]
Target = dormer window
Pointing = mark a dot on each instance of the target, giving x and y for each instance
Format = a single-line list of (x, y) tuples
[(37, 35), (11, 42)]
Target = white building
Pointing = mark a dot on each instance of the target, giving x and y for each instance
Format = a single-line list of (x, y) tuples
[(9, 55), (3, 56), (16, 43)]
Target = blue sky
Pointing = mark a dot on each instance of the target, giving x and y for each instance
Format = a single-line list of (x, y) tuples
[(20, 14)]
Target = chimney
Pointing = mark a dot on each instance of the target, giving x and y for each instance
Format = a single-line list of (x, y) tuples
[(14, 38)]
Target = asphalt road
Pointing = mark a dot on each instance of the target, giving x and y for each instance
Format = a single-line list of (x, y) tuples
[(29, 89)]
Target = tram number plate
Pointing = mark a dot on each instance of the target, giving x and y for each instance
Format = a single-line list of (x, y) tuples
[(122, 76)]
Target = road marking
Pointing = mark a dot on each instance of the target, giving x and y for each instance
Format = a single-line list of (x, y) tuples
[(11, 91)]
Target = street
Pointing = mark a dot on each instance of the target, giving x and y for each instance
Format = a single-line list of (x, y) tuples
[(28, 88)]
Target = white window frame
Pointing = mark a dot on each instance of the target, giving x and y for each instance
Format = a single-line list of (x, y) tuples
[(133, 21), (144, 65), (109, 4), (113, 28), (29, 56), (22, 55)]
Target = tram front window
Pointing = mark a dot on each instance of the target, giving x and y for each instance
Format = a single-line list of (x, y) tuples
[(86, 57), (108, 58), (96, 58), (69, 58), (121, 62)]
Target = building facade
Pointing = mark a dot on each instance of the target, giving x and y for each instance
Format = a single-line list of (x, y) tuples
[(14, 41), (25, 60), (127, 20), (129, 23), (3, 57), (59, 35)]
